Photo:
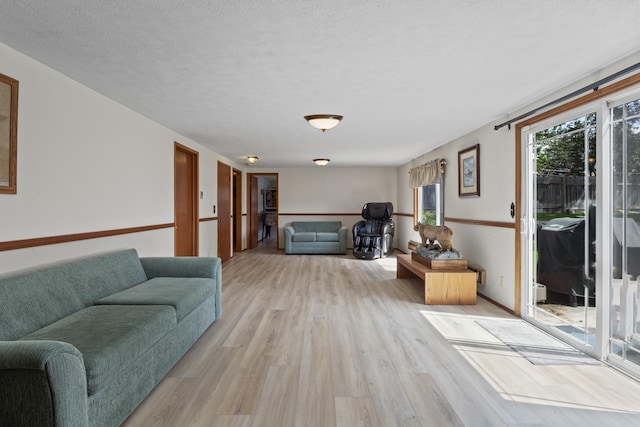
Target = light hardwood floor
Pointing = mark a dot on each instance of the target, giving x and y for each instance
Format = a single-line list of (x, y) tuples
[(314, 340)]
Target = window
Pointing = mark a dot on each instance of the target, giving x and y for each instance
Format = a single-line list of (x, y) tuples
[(429, 204), (428, 197)]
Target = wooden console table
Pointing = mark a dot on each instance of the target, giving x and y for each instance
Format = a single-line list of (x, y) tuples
[(440, 286)]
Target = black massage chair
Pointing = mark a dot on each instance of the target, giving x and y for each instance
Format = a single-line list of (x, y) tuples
[(373, 237)]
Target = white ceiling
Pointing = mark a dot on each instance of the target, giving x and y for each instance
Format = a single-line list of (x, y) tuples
[(408, 75)]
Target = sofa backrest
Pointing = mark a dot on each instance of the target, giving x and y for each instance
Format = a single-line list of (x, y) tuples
[(317, 226), (37, 297)]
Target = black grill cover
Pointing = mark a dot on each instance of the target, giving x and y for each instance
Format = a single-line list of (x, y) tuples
[(561, 254)]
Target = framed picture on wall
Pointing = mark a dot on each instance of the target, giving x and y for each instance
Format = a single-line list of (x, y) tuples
[(270, 200), (8, 134), (469, 172)]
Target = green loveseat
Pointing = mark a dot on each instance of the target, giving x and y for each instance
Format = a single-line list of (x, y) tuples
[(315, 237), (84, 341)]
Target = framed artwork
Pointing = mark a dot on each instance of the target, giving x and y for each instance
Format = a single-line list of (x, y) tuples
[(270, 201), (8, 134), (469, 172)]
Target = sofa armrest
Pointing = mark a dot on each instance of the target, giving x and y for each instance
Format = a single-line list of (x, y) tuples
[(342, 238), (207, 267), (288, 232), (42, 383)]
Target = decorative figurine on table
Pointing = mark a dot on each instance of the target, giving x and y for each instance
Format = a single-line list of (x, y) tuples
[(443, 249), (431, 233)]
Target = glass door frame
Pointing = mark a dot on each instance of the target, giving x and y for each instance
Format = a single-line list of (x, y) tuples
[(528, 225), (609, 91), (602, 101), (608, 238)]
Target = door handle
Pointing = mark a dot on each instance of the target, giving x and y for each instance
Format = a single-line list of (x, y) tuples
[(524, 226)]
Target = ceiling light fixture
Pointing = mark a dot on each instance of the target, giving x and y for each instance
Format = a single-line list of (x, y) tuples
[(251, 160), (323, 121), (321, 162)]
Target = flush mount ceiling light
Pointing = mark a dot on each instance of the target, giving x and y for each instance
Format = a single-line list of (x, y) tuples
[(251, 160), (321, 162), (323, 121)]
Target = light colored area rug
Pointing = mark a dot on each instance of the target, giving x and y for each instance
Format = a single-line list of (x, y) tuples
[(533, 344)]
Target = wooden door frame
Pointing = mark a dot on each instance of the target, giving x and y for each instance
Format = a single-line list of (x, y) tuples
[(237, 209), (249, 230), (195, 185), (222, 250)]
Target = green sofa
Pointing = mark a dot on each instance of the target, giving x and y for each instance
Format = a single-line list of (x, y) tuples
[(315, 237), (84, 341)]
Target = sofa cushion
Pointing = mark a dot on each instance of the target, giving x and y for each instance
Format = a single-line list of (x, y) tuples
[(304, 236), (110, 337), (316, 226), (183, 294), (37, 297), (326, 237)]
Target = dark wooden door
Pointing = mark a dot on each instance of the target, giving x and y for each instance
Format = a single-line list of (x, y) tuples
[(237, 211), (224, 211), (254, 215), (185, 201)]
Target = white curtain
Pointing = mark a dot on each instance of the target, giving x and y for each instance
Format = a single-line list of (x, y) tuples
[(426, 174)]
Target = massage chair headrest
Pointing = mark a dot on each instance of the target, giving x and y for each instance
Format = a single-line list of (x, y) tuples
[(377, 210)]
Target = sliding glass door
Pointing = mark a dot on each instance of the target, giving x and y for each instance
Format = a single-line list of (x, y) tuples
[(625, 229), (580, 253), (560, 224)]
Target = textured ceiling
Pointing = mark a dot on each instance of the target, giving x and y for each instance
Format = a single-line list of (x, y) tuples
[(408, 76)]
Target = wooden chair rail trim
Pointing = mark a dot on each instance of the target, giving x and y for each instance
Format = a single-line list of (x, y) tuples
[(482, 222), (316, 214), (333, 214), (66, 238)]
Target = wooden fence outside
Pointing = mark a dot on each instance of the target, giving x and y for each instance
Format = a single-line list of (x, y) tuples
[(565, 194)]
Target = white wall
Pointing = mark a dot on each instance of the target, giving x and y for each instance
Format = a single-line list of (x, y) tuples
[(87, 164), (404, 223), (491, 247), (331, 193)]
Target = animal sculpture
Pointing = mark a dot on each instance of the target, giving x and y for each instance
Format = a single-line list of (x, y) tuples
[(431, 233)]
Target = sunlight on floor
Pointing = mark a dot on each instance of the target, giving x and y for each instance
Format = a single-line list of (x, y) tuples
[(388, 263), (549, 385)]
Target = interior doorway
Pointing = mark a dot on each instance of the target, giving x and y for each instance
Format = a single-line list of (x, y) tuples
[(262, 210), (185, 201), (224, 211)]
